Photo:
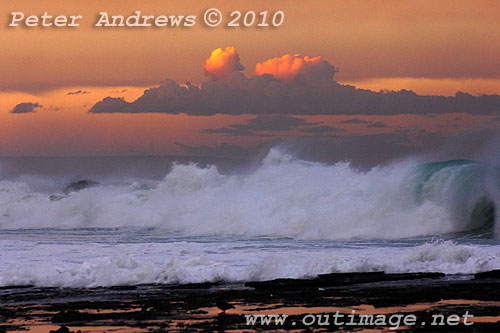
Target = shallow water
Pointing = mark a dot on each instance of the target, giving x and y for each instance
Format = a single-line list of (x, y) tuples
[(131, 256)]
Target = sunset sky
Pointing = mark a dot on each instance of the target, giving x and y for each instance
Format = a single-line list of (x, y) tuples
[(81, 90)]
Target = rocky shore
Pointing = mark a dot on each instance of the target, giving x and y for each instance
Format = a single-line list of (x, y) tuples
[(305, 303)]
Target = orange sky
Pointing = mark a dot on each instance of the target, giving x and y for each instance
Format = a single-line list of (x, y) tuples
[(63, 126), (365, 39), (431, 47)]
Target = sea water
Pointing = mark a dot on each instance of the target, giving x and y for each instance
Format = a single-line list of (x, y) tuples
[(283, 217)]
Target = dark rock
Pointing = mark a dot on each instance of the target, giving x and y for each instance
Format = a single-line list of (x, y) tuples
[(223, 305), (67, 316), (339, 279), (79, 185), (495, 274), (62, 329), (163, 308)]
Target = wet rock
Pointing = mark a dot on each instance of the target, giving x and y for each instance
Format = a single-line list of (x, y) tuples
[(339, 279)]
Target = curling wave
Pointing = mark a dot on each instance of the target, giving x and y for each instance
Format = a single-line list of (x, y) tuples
[(466, 188)]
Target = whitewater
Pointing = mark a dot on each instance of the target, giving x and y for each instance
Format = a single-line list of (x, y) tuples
[(282, 217)]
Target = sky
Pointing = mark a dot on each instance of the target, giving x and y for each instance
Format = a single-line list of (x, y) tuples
[(340, 76)]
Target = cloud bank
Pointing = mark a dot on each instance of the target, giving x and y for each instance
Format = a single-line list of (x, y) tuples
[(25, 108), (289, 85)]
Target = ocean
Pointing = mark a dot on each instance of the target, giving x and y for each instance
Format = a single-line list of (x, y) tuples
[(157, 221)]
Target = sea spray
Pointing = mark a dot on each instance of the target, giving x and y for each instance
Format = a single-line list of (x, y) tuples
[(283, 197)]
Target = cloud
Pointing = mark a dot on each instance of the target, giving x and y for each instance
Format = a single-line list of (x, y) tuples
[(262, 123), (231, 131), (118, 91), (110, 105), (307, 88), (222, 150), (223, 64), (78, 92), (25, 108), (369, 124), (355, 121), (322, 129), (376, 124), (289, 67), (273, 123)]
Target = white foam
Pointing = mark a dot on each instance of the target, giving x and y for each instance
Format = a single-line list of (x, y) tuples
[(92, 265), (283, 197)]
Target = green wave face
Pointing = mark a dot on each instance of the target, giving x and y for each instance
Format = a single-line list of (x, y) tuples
[(464, 187)]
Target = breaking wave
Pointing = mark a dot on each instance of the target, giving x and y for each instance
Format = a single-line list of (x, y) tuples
[(283, 197)]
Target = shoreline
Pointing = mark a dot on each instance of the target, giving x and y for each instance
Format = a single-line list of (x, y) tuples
[(192, 307)]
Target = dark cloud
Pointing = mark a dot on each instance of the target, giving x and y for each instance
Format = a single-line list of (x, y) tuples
[(322, 129), (109, 105), (78, 92), (369, 124), (262, 123), (222, 150), (355, 121), (273, 123), (25, 108), (376, 124), (118, 91), (229, 131)]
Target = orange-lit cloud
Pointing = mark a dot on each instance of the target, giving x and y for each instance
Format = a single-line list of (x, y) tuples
[(223, 63), (288, 67), (292, 85)]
